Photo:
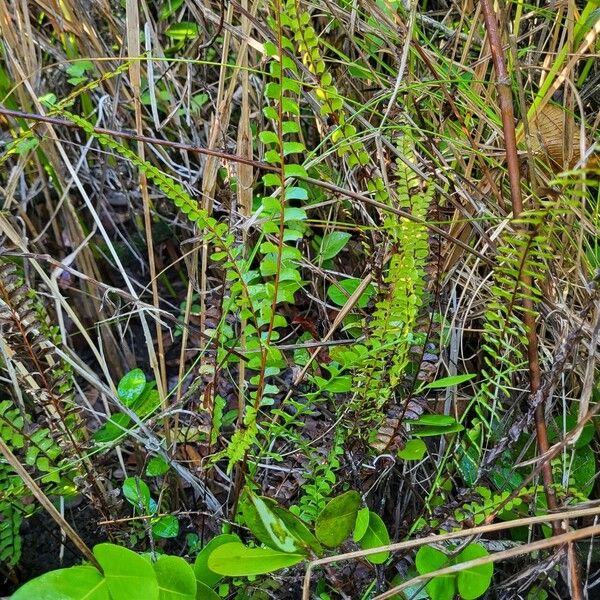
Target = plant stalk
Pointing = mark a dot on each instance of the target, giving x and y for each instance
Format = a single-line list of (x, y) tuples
[(505, 102)]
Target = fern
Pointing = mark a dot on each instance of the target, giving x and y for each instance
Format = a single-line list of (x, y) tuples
[(40, 452), (344, 136), (26, 331), (396, 314), (525, 249), (320, 481)]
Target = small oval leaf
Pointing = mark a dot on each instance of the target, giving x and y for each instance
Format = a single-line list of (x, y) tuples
[(131, 386)]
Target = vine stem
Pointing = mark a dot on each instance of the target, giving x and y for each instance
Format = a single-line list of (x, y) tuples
[(505, 101)]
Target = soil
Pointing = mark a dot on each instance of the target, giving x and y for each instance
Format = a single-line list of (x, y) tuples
[(42, 545)]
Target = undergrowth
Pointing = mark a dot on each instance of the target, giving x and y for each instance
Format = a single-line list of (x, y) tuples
[(265, 282)]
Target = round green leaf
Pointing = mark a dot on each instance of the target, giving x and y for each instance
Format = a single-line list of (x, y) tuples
[(131, 386), (156, 466), (336, 521), (176, 580), (201, 570), (413, 450), (75, 583), (236, 560), (166, 527), (376, 535), (338, 297), (127, 574), (429, 559), (473, 582)]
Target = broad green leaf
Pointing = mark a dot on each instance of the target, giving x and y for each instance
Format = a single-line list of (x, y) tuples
[(184, 30), (127, 574), (236, 560), (294, 171), (336, 521), (361, 525), (147, 402), (168, 8), (131, 386), (430, 425), (267, 526), (75, 583), (166, 527), (201, 570), (472, 583), (205, 593), (413, 450), (137, 493), (296, 527), (333, 243), (156, 466), (437, 420), (113, 429), (350, 286), (376, 535), (176, 580), (429, 559), (447, 382)]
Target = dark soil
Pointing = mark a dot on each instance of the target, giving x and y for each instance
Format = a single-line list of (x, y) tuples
[(42, 545)]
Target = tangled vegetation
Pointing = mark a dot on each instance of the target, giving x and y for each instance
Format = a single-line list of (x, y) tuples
[(299, 299)]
